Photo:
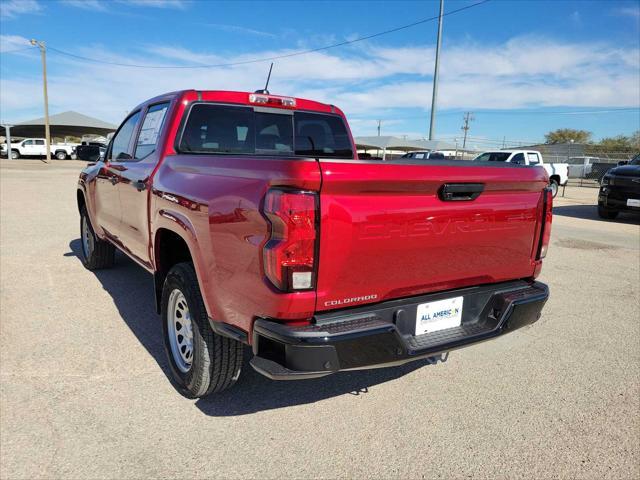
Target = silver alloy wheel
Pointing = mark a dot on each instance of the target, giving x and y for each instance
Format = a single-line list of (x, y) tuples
[(180, 330), (554, 189), (14, 155), (87, 238)]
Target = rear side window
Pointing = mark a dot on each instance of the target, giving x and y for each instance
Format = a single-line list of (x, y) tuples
[(533, 158), (148, 136), (518, 159), (212, 128)]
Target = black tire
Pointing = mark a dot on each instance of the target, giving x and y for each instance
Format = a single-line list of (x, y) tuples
[(96, 253), (216, 361), (15, 154), (61, 155), (606, 213), (555, 186)]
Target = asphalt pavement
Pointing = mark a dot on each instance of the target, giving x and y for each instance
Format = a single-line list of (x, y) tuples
[(84, 391)]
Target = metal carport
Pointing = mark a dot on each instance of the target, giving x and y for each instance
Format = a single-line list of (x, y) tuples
[(61, 125), (385, 143)]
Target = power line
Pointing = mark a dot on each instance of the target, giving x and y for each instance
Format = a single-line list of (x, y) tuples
[(277, 57)]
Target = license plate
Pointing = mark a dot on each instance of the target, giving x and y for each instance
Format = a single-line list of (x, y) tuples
[(632, 202), (440, 315)]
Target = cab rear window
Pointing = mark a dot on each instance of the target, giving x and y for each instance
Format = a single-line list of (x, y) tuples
[(225, 129)]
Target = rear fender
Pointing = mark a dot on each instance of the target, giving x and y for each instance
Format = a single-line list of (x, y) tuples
[(173, 221)]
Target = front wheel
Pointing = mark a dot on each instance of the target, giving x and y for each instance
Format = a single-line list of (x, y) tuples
[(96, 253), (15, 154), (553, 184), (606, 213), (61, 155), (202, 362)]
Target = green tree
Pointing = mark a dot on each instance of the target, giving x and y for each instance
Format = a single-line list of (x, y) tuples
[(566, 135), (618, 144)]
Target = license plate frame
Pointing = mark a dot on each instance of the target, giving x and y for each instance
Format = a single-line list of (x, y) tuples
[(633, 202), (439, 315)]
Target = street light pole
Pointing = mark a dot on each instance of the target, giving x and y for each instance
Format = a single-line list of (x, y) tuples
[(43, 51), (434, 97)]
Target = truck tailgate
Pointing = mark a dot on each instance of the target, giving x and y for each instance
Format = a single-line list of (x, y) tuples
[(386, 232)]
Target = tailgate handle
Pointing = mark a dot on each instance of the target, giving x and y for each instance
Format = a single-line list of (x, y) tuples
[(460, 192)]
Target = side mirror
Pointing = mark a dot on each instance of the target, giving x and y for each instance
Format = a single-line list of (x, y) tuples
[(623, 162), (124, 156)]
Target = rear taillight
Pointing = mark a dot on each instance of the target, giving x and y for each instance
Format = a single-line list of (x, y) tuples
[(289, 255), (547, 215)]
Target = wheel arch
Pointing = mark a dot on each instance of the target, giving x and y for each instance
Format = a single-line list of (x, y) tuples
[(169, 249), (555, 177)]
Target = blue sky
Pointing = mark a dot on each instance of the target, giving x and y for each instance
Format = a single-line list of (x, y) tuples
[(512, 63)]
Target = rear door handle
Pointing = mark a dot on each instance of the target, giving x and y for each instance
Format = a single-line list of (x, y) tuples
[(460, 192)]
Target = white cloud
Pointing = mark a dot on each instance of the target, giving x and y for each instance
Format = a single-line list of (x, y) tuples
[(158, 3), (239, 29), (13, 8), (365, 81), (106, 5), (97, 5), (631, 11), (9, 43)]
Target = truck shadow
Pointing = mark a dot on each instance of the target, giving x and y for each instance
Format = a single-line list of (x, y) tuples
[(255, 393), (590, 212), (131, 289)]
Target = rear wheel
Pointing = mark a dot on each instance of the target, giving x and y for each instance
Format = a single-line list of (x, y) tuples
[(606, 213), (61, 155), (202, 362), (96, 253), (553, 184)]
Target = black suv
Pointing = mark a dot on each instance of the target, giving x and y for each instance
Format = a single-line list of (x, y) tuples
[(620, 189)]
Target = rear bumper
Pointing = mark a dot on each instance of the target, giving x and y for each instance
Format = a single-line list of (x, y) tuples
[(382, 335)]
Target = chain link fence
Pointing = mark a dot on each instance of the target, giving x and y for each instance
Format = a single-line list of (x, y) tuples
[(587, 170)]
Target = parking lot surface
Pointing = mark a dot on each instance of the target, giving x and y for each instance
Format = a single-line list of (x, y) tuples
[(85, 394)]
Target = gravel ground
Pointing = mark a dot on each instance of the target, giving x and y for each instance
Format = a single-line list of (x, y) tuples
[(84, 390)]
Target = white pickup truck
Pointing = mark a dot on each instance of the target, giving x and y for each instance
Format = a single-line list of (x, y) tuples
[(36, 147), (558, 172)]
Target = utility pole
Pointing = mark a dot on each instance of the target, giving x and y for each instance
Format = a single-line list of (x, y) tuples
[(379, 124), (43, 51), (468, 117), (434, 97)]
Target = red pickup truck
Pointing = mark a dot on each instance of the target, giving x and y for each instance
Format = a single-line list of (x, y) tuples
[(261, 226)]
